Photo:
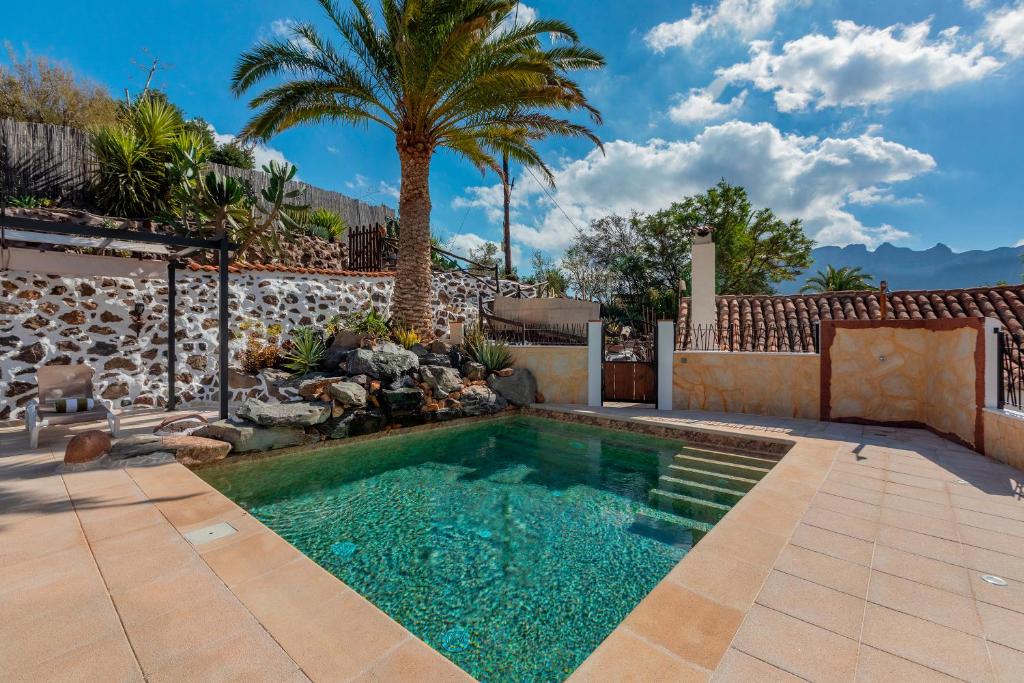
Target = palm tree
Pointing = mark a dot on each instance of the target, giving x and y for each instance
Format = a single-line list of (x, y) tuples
[(438, 74), (837, 280)]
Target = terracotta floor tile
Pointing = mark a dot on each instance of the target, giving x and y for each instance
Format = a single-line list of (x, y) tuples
[(415, 661), (876, 666), (921, 544), (917, 481), (44, 570), (739, 667), (830, 543), (720, 578), (921, 507), (837, 612), (31, 541), (40, 637), (295, 588), (685, 623), (339, 640), (937, 647), (847, 506), (127, 520), (191, 584), (824, 570), (996, 523), (917, 493), (107, 659), (868, 483), (1002, 626), (1007, 662), (859, 470), (841, 523), (1008, 510), (1008, 597), (623, 656), (250, 557), (796, 646), (924, 570), (769, 512), (916, 599), (1004, 543), (195, 509), (744, 542), (852, 492), (124, 567), (911, 521), (991, 562), (250, 655)]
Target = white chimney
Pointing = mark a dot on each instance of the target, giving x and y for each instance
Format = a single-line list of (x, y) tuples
[(702, 294)]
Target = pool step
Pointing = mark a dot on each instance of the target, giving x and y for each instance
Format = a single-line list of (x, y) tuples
[(720, 466), (724, 456), (726, 481), (694, 489), (688, 506), (669, 527)]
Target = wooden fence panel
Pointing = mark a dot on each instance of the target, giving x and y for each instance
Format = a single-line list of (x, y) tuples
[(629, 382)]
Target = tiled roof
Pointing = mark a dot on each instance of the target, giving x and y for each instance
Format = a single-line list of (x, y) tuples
[(802, 310), (242, 266)]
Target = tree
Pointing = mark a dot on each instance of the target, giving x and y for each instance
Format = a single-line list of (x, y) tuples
[(36, 90), (548, 275), (437, 74), (233, 154), (838, 280), (487, 256)]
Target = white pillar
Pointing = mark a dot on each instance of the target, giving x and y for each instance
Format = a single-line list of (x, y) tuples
[(702, 294), (594, 363), (992, 360), (666, 347)]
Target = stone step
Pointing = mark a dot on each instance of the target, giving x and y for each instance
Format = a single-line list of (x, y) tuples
[(669, 527), (726, 481), (750, 460), (688, 506), (721, 467), (715, 494)]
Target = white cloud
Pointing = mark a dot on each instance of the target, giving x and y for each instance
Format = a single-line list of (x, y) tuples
[(875, 195), (974, 4), (520, 16), (1005, 28), (363, 188), (490, 198), (860, 66), (465, 242), (745, 18), (700, 106), (284, 29), (797, 177), (262, 154), (1020, 243)]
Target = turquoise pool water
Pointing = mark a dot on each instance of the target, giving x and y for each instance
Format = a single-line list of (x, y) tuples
[(513, 547)]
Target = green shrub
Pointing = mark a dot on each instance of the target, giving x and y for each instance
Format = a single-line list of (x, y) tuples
[(307, 350), (493, 355), (323, 223), (233, 154), (405, 337), (29, 201), (369, 322)]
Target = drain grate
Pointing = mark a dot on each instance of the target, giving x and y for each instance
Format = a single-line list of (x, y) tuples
[(210, 533)]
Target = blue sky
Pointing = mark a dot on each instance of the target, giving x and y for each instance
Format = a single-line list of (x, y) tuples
[(887, 120)]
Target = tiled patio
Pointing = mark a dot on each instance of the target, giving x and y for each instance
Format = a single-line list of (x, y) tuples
[(859, 557)]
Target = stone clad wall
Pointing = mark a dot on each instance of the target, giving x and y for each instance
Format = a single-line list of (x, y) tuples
[(1004, 437), (777, 384), (561, 371), (906, 372), (84, 318)]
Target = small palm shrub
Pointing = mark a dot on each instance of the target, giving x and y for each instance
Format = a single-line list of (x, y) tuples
[(370, 323), (405, 337), (323, 223), (492, 355), (307, 350), (29, 202)]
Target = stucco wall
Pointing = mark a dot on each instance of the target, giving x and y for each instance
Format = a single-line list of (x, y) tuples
[(1004, 437), (86, 316), (561, 371), (911, 372), (778, 384)]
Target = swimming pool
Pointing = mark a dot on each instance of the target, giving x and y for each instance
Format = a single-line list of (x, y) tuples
[(514, 546)]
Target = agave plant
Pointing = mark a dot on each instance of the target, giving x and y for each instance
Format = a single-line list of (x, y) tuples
[(322, 223), (307, 350), (493, 355)]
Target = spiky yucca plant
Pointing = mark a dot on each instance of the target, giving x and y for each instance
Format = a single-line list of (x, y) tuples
[(456, 74)]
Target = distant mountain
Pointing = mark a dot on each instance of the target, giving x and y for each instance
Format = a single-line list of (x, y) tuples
[(936, 268)]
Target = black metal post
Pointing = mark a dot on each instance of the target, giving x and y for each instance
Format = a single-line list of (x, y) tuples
[(1001, 362), (172, 320), (732, 343), (222, 342), (817, 337)]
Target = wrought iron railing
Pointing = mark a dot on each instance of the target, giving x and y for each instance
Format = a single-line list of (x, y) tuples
[(517, 332), (1010, 383), (752, 337)]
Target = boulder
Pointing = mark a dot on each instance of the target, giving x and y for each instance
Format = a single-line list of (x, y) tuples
[(436, 359), (279, 384), (386, 362), (356, 423), (480, 400), (313, 386), (361, 380), (419, 349), (446, 413), (504, 372), (86, 447), (180, 424), (439, 346), (441, 380), (474, 371), (240, 379), (402, 401), (195, 450), (300, 414), (177, 418), (346, 340), (246, 437), (134, 446), (518, 388), (348, 394)]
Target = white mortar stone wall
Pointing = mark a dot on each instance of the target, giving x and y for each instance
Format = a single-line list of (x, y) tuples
[(54, 320)]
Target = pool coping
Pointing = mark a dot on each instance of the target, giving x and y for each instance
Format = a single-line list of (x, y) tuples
[(257, 554)]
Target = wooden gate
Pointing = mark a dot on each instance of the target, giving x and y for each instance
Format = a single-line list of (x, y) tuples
[(630, 381), (365, 248)]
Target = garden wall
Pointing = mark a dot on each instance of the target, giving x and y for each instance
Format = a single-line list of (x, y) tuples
[(778, 384), (1004, 437), (925, 373), (86, 314), (561, 371)]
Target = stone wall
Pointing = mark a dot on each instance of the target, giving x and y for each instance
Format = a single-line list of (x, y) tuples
[(86, 316), (906, 372), (561, 371), (778, 384), (1004, 437)]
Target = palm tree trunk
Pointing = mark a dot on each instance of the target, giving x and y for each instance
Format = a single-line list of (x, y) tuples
[(506, 242), (410, 306)]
